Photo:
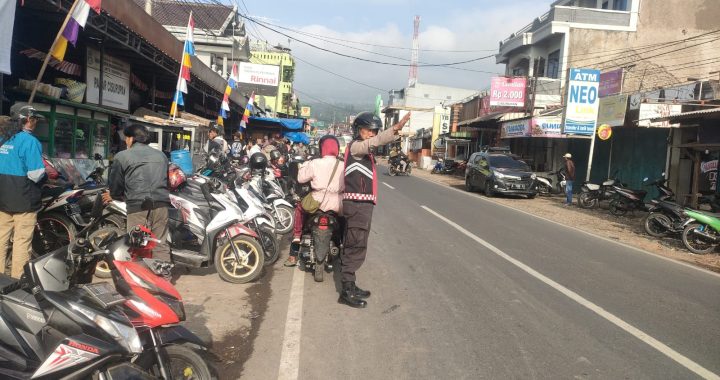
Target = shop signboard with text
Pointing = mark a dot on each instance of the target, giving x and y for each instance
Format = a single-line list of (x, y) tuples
[(262, 79), (507, 91), (115, 78), (611, 82), (612, 110), (583, 101), (649, 111), (547, 126), (515, 128)]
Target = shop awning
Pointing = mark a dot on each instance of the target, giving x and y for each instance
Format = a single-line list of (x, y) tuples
[(491, 116), (711, 113), (298, 137), (292, 124)]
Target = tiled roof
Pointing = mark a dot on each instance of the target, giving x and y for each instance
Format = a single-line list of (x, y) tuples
[(175, 13)]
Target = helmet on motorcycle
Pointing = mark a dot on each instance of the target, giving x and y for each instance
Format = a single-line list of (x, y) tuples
[(176, 177), (258, 161), (275, 154), (313, 151), (329, 146), (244, 160), (366, 120)]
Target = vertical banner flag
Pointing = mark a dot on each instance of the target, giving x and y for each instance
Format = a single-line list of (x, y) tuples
[(77, 20), (225, 106), (248, 110), (583, 101), (185, 66)]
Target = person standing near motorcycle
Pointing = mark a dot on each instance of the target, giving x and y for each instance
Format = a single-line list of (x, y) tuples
[(327, 183), (139, 174), (570, 178), (216, 142), (21, 171), (360, 198)]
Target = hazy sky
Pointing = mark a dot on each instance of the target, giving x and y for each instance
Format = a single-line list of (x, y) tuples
[(449, 25)]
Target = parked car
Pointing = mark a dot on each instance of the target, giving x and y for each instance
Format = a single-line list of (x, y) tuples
[(499, 172)]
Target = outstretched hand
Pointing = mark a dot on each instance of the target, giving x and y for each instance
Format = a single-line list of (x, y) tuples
[(402, 122)]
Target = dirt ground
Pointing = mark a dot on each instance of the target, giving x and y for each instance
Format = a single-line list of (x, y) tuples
[(628, 229)]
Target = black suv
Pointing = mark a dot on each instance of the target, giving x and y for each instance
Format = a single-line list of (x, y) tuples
[(499, 171)]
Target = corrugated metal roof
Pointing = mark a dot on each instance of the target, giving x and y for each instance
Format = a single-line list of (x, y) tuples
[(176, 13)]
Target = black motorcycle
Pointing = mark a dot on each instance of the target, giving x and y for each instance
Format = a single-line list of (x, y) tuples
[(56, 328), (630, 200), (321, 242), (668, 218), (399, 165), (592, 194)]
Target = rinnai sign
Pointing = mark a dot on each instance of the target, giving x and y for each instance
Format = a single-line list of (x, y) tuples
[(263, 79), (506, 91), (115, 78), (583, 102)]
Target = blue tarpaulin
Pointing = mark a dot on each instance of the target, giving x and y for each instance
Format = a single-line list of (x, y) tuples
[(292, 124), (298, 137)]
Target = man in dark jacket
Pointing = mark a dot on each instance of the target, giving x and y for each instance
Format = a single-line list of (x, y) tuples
[(139, 175), (21, 170), (569, 178), (360, 197)]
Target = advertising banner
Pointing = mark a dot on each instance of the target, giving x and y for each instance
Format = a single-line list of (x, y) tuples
[(547, 126), (515, 128), (611, 82), (116, 81), (506, 91), (612, 110), (263, 79), (305, 111), (583, 102), (654, 110)]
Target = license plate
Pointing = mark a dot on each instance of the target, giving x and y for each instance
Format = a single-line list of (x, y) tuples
[(72, 209), (519, 187)]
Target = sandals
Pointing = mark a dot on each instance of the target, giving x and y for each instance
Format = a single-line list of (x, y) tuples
[(291, 261)]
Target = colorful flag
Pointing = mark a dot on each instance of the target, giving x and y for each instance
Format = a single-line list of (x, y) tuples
[(248, 110), (225, 106), (77, 20), (185, 66)]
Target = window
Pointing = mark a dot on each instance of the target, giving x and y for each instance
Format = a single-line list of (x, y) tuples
[(100, 139), (606, 5), (82, 139), (63, 138), (518, 72), (553, 64), (620, 5), (539, 67)]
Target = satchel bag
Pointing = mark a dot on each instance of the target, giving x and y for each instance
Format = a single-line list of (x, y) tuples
[(309, 204)]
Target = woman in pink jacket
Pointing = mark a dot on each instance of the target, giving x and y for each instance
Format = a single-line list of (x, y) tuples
[(326, 190)]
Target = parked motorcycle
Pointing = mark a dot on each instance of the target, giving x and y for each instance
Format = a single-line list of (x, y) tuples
[(592, 194), (701, 232), (547, 185), (265, 185), (444, 166), (630, 200)]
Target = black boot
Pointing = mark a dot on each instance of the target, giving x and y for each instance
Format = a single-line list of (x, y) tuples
[(348, 296), (361, 293)]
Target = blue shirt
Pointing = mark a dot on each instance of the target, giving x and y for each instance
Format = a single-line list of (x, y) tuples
[(21, 168)]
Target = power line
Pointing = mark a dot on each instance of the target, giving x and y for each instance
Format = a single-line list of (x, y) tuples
[(364, 59)]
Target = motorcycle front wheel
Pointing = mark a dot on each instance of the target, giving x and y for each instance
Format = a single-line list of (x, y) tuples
[(618, 207), (655, 224), (586, 200), (391, 171), (695, 242), (185, 363), (251, 260), (408, 170), (284, 218)]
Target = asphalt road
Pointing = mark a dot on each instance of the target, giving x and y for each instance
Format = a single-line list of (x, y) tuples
[(464, 288)]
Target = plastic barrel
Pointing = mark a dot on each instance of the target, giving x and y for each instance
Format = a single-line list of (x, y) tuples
[(182, 159)]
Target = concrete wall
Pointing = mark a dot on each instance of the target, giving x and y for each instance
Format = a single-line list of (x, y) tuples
[(660, 21)]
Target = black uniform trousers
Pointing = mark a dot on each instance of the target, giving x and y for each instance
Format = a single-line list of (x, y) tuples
[(358, 216)]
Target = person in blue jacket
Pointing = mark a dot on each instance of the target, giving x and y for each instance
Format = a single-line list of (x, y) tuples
[(21, 171)]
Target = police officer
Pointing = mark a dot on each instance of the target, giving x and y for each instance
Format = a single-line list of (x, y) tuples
[(360, 198)]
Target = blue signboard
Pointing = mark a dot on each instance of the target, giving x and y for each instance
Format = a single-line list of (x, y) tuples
[(583, 101)]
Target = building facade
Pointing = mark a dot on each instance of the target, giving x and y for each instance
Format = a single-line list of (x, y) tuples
[(282, 101)]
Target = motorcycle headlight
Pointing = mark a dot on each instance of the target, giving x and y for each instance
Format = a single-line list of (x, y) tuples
[(533, 176), (125, 335), (499, 175)]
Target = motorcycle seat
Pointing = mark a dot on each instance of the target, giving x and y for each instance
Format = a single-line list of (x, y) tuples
[(592, 186), (609, 182)]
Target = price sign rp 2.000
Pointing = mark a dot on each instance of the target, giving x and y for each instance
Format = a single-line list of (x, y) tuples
[(583, 100)]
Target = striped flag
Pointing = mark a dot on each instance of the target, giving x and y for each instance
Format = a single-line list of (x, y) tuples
[(185, 66), (77, 20), (248, 109), (225, 106)]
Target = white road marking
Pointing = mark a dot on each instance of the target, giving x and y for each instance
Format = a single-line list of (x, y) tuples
[(388, 185), (632, 330), (290, 356), (636, 249)]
